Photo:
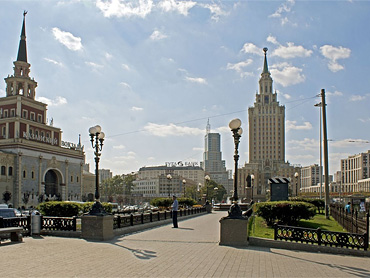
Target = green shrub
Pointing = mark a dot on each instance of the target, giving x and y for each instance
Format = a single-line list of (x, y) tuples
[(167, 202), (68, 209), (318, 203), (284, 212)]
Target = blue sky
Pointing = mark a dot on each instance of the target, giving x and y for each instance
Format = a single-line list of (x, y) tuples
[(152, 72)]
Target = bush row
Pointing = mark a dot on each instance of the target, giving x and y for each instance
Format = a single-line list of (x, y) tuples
[(167, 202), (318, 203), (68, 209), (284, 212)]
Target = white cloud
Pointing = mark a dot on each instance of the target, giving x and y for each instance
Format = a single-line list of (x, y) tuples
[(272, 40), (126, 67), (333, 54), (292, 125), (108, 56), (251, 48), (56, 102), (182, 7), (196, 80), (215, 10), (335, 94), (238, 67), (291, 51), (67, 39), (124, 84), (366, 120), (172, 130), (2, 92), (120, 8), (282, 11), (53, 62), (198, 149), (94, 65), (134, 108), (357, 98), (286, 74), (306, 144), (286, 96), (119, 147), (157, 35)]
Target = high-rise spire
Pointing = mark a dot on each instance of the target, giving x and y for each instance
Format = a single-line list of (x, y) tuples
[(265, 67), (22, 50), (208, 128)]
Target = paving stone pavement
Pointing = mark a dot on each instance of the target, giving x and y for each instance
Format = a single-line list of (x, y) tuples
[(190, 251)]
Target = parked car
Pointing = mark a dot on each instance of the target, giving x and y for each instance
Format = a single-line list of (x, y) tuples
[(7, 213)]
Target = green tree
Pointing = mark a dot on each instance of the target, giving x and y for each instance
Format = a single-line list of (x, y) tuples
[(213, 190), (112, 187)]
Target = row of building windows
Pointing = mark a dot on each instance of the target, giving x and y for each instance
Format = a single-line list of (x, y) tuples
[(3, 171), (6, 114)]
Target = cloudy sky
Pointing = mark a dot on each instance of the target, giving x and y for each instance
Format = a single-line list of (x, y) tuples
[(152, 72)]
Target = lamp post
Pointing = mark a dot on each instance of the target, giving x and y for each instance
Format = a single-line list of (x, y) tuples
[(97, 139), (215, 191), (296, 183), (235, 210), (252, 179), (207, 178), (320, 169), (183, 185), (169, 178)]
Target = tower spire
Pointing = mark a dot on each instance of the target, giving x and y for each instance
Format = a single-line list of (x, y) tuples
[(208, 128), (265, 66), (22, 50)]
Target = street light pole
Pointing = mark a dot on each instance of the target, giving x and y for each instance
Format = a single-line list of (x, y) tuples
[(320, 169), (326, 155), (97, 139), (169, 178), (296, 183), (235, 210), (252, 179), (207, 178), (183, 185)]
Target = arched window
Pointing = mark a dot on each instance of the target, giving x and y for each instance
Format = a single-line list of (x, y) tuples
[(10, 171), (3, 172)]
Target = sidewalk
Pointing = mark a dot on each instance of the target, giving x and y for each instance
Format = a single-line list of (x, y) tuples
[(190, 251)]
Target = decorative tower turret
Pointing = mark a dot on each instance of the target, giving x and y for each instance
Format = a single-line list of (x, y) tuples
[(20, 83)]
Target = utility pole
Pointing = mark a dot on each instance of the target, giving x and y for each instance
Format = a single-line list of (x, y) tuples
[(326, 156)]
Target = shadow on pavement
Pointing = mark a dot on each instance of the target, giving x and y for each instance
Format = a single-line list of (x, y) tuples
[(139, 253)]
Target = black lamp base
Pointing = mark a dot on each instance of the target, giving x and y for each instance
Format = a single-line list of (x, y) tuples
[(97, 209)]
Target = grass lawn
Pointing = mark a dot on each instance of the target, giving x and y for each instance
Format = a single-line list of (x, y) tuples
[(260, 229)]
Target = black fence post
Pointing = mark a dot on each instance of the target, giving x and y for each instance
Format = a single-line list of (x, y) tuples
[(132, 219), (74, 223), (165, 215), (118, 221), (352, 221), (319, 236), (275, 231), (356, 214), (1, 222), (151, 217)]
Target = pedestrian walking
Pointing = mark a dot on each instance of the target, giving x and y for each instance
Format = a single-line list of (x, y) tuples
[(175, 208), (348, 207)]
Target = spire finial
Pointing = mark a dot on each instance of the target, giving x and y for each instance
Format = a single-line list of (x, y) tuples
[(22, 50), (208, 128), (265, 67)]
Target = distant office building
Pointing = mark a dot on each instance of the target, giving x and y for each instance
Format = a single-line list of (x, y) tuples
[(355, 173), (213, 164), (36, 164), (266, 142), (104, 174), (310, 178)]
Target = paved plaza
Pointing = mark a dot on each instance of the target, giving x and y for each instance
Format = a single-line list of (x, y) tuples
[(190, 251)]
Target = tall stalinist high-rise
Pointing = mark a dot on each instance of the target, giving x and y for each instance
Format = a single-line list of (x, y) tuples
[(266, 141), (266, 123)]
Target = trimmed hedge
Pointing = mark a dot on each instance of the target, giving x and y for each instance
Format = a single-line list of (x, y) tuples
[(68, 209), (318, 203), (167, 202), (284, 212)]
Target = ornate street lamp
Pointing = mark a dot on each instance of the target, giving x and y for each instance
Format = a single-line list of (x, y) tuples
[(207, 178), (169, 178), (235, 210), (183, 185), (97, 139), (296, 183), (252, 179)]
